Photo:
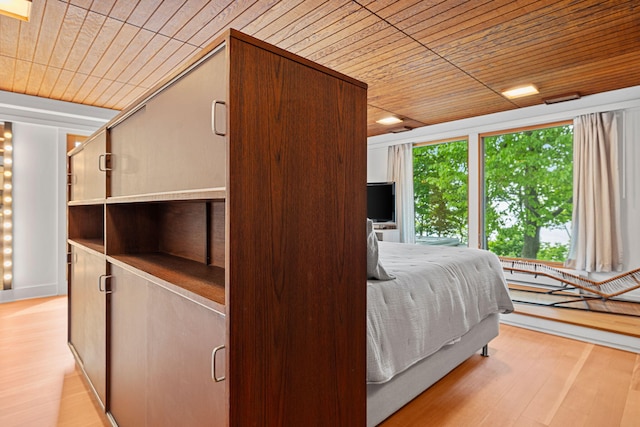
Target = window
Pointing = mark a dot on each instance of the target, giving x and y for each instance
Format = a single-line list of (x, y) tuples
[(528, 189), (440, 181)]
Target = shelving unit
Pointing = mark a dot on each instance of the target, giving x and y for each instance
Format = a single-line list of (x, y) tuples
[(215, 183)]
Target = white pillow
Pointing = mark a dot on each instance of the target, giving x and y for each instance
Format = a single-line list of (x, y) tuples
[(375, 270)]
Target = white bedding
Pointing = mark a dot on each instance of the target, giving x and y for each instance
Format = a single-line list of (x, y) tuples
[(438, 294)]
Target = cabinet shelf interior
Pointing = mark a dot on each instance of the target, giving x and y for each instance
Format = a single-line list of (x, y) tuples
[(204, 280), (86, 223)]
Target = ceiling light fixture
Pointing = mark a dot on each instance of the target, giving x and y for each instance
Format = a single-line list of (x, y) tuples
[(520, 91), (391, 120), (19, 9), (562, 98)]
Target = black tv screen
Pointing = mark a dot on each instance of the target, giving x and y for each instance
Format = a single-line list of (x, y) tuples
[(381, 201)]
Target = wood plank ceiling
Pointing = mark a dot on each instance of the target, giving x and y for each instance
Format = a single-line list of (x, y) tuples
[(425, 61)]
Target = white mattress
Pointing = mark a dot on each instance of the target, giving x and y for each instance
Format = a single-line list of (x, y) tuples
[(438, 295)]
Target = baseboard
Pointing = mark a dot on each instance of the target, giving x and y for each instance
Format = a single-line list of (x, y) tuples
[(30, 292), (580, 333)]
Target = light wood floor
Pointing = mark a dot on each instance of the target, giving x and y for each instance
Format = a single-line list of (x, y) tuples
[(533, 379), (530, 379), (40, 385)]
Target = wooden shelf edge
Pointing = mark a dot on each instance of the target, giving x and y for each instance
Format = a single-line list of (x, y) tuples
[(219, 193), (90, 245), (86, 202), (197, 282)]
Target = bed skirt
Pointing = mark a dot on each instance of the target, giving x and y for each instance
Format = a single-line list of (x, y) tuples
[(385, 399)]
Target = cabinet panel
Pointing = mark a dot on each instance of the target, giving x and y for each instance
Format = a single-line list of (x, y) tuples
[(183, 335), (78, 296), (168, 144), (87, 180), (129, 357), (306, 173), (161, 351), (88, 309)]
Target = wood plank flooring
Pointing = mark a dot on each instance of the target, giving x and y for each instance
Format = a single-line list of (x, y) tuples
[(530, 379), (533, 379), (40, 384)]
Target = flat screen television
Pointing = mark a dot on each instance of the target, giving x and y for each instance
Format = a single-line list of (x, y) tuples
[(381, 201)]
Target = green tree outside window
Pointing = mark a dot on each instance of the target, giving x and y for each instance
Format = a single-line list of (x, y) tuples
[(440, 181), (528, 188)]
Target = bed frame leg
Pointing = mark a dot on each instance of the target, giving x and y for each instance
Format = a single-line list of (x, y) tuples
[(485, 351)]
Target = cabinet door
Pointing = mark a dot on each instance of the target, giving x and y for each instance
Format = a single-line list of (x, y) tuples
[(88, 170), (182, 336), (161, 351), (128, 363), (168, 144), (88, 317)]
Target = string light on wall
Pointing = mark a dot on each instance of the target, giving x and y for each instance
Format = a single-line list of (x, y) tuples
[(6, 215)]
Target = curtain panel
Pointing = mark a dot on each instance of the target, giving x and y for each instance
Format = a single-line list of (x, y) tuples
[(596, 243), (400, 170)]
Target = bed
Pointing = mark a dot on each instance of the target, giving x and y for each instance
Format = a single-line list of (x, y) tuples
[(429, 308)]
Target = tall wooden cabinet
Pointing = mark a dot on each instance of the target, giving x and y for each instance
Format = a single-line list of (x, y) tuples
[(88, 312), (233, 232), (87, 273)]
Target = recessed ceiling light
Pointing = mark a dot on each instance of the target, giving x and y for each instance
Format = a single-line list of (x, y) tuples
[(520, 91), (20, 9), (391, 120)]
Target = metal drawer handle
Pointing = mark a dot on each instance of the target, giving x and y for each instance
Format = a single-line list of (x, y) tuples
[(102, 162), (213, 117), (213, 364), (102, 283)]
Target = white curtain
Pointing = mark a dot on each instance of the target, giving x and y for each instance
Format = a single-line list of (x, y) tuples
[(400, 171), (596, 244)]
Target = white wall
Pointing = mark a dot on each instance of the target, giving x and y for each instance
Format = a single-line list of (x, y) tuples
[(377, 164), (40, 128), (36, 225)]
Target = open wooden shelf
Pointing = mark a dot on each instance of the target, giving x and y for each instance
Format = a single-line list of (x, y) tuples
[(191, 230), (204, 280), (86, 223)]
